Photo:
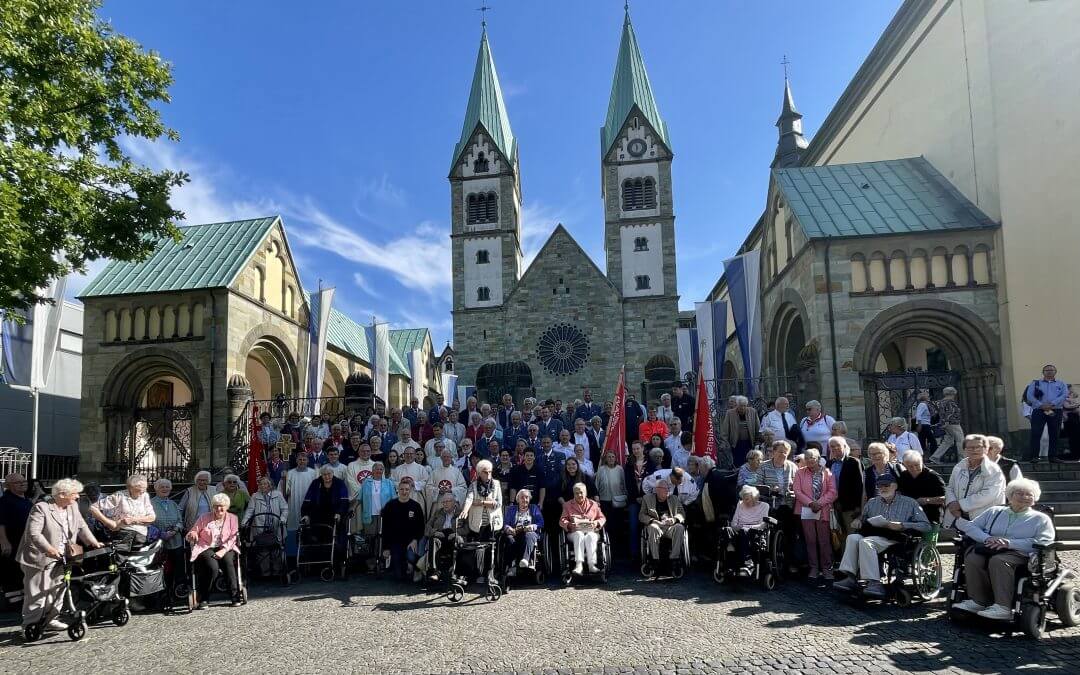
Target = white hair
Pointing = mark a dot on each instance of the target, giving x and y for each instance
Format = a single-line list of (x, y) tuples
[(897, 422), (705, 461), (912, 456), (742, 400), (811, 455), (748, 490), (325, 469), (813, 404), (995, 442), (202, 474), (754, 453), (1023, 484), (66, 486), (163, 482), (484, 464), (135, 479), (843, 444), (220, 499), (524, 491), (231, 477), (948, 391)]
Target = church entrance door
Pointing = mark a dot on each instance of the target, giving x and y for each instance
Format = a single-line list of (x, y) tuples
[(493, 380), (156, 443)]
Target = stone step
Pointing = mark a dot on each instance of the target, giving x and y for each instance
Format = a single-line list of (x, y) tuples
[(1041, 473), (1066, 519), (945, 547)]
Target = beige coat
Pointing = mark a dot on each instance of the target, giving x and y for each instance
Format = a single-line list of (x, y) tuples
[(649, 513), (729, 427), (48, 526)]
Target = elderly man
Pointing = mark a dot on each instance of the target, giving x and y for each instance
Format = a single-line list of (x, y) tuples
[(883, 520), (406, 441), (664, 412), (503, 418), (419, 473), (382, 432), (465, 415), (1011, 468), (548, 425), (564, 445), (439, 438), (196, 499), (423, 431), (680, 484), (1046, 398), (780, 420), (445, 478), (483, 442), (581, 437), (582, 520), (14, 512), (739, 429), (663, 517), (452, 429), (924, 485), (673, 442), (515, 429), (975, 484), (682, 404), (412, 413)]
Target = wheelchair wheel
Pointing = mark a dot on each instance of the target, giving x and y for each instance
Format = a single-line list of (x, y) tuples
[(903, 598), (678, 569), (120, 616), (494, 592), (718, 573), (541, 577), (32, 633), (768, 581), (926, 572), (327, 574), (778, 555), (1033, 620), (646, 569), (456, 594), (1067, 604)]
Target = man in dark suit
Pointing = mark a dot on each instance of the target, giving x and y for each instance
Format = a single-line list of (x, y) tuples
[(682, 404), (548, 425), (635, 415), (588, 408), (506, 411)]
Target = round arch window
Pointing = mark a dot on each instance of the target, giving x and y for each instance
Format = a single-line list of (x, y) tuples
[(563, 349)]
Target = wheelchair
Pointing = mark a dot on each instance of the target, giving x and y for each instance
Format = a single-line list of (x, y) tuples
[(563, 559), (537, 573), (766, 555), (910, 570), (1042, 588), (485, 560), (663, 566), (321, 543), (219, 582), (263, 542)]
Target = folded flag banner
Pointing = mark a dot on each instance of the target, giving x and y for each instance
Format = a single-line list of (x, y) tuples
[(711, 340), (378, 337), (704, 426), (615, 438), (256, 453), (416, 373), (318, 321), (743, 274), (687, 341)]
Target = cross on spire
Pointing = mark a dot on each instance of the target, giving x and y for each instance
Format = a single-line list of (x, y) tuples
[(483, 15), (785, 63)]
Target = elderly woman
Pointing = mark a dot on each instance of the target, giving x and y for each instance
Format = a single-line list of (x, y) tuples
[(522, 528), (903, 439), (375, 492), (850, 484), (583, 461), (265, 502), (238, 496), (815, 492), (750, 473), (975, 484), (51, 532), (483, 504), (196, 499), (1005, 537), (214, 540), (739, 429), (582, 520), (749, 515), (879, 466), (128, 510), (327, 500), (611, 487), (1009, 467), (170, 524), (816, 426)]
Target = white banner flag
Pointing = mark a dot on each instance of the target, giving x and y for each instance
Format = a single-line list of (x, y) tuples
[(317, 324), (416, 372), (381, 362)]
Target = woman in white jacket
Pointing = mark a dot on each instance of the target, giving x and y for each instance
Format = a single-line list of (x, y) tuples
[(976, 483)]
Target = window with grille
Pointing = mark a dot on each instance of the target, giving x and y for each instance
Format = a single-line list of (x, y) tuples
[(641, 281), (480, 164), (482, 207), (641, 243), (483, 294), (482, 257), (638, 193)]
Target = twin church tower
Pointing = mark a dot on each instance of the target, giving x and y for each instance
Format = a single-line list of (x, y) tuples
[(562, 324)]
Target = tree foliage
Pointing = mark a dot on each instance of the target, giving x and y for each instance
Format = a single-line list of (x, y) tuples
[(71, 91)]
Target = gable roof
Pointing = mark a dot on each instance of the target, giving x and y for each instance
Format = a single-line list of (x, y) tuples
[(561, 232), (351, 338), (486, 107), (896, 196), (630, 87), (404, 340), (207, 256)]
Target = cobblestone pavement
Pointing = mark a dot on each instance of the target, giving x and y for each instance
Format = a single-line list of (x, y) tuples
[(629, 625)]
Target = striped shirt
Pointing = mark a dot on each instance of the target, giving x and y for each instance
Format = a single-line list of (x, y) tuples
[(904, 510)]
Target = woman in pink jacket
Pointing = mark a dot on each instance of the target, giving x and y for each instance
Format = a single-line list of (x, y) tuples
[(814, 495), (214, 548)]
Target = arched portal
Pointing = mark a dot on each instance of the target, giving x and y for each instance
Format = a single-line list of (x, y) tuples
[(660, 375), (936, 343), (270, 370), (150, 402), (495, 379)]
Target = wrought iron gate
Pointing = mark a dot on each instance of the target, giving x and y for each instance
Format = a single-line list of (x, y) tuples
[(155, 442), (891, 395)]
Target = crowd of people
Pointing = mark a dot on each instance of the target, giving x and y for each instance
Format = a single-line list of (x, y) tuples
[(423, 481)]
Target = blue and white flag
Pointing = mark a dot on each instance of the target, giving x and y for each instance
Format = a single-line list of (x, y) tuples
[(743, 274), (29, 349), (318, 321), (711, 338), (689, 352), (449, 389), (378, 337)]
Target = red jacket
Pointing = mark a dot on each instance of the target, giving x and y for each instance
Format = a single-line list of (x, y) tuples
[(804, 491), (646, 430)]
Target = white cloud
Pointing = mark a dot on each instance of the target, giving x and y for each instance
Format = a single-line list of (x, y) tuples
[(382, 190), (362, 283)]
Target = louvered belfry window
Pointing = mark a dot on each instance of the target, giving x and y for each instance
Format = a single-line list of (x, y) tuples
[(482, 207), (638, 193)]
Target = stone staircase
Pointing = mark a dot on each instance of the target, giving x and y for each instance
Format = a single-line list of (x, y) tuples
[(1060, 485)]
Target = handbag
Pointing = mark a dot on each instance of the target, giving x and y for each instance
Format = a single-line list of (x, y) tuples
[(834, 529), (618, 501), (73, 549)]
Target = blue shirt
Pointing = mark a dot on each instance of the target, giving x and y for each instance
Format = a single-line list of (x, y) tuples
[(552, 465), (1041, 392)]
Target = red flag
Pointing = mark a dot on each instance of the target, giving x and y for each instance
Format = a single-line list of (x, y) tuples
[(256, 456), (615, 439), (704, 427)]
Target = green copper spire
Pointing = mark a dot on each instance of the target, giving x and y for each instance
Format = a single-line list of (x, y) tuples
[(486, 106), (630, 87)]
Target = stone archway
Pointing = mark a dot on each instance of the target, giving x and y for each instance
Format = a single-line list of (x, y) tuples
[(495, 379), (660, 375), (971, 346), (266, 347), (145, 431)]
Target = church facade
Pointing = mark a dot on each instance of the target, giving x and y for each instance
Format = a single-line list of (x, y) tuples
[(564, 324)]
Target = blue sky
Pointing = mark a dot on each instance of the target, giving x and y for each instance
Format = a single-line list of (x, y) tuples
[(342, 116)]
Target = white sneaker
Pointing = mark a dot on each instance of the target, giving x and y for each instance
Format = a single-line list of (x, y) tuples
[(578, 570), (523, 563), (56, 624), (997, 613), (593, 569), (969, 605)]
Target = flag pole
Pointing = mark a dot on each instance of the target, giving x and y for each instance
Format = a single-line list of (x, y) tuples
[(34, 435)]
